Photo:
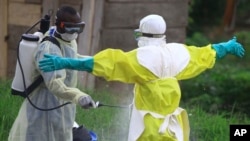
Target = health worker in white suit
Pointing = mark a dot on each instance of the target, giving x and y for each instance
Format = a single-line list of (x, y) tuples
[(58, 88)]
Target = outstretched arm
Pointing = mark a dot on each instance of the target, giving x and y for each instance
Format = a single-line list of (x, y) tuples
[(203, 58), (111, 64)]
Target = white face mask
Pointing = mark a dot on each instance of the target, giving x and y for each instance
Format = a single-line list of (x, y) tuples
[(69, 37)]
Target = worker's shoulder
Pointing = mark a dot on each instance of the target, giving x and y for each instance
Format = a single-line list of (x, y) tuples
[(174, 44)]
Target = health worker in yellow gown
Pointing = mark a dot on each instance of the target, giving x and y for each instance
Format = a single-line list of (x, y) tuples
[(154, 68)]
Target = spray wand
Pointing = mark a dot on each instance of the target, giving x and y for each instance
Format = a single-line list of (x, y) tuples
[(98, 104)]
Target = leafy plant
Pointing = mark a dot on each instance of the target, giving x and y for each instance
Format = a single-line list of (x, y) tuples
[(216, 90), (197, 39)]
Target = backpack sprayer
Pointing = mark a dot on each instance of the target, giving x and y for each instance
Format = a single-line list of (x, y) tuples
[(23, 84)]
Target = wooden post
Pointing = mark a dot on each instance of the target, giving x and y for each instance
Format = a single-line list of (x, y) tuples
[(229, 15), (88, 41), (3, 37), (50, 6)]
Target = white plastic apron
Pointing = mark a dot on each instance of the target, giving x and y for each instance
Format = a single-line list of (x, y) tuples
[(170, 124)]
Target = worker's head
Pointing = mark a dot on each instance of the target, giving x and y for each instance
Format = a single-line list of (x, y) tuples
[(151, 31), (152, 26), (68, 23)]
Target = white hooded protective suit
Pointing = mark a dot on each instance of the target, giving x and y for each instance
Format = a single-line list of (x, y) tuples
[(58, 88)]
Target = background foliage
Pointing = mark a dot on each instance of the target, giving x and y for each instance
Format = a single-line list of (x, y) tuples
[(226, 86)]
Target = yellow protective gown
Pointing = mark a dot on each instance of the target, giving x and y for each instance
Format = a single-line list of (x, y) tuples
[(155, 71), (58, 88)]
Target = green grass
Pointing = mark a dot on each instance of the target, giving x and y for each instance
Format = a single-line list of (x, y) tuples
[(9, 106), (111, 124), (212, 127)]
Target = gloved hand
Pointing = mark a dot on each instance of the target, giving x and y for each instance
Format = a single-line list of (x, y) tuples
[(86, 102), (52, 62), (44, 24), (230, 47)]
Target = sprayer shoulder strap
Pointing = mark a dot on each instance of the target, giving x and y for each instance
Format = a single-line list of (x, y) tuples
[(51, 39), (39, 80)]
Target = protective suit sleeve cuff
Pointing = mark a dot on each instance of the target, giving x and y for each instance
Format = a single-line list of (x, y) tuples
[(86, 64), (220, 51), (78, 96)]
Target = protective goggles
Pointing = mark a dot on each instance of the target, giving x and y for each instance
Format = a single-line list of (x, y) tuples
[(71, 28), (139, 34)]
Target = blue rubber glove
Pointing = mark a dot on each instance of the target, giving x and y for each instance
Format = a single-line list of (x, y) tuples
[(230, 47), (52, 62)]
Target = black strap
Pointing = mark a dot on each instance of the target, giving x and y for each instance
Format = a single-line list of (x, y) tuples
[(35, 84), (152, 35), (39, 80), (51, 39)]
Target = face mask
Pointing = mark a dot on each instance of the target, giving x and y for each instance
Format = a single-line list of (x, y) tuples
[(69, 37)]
